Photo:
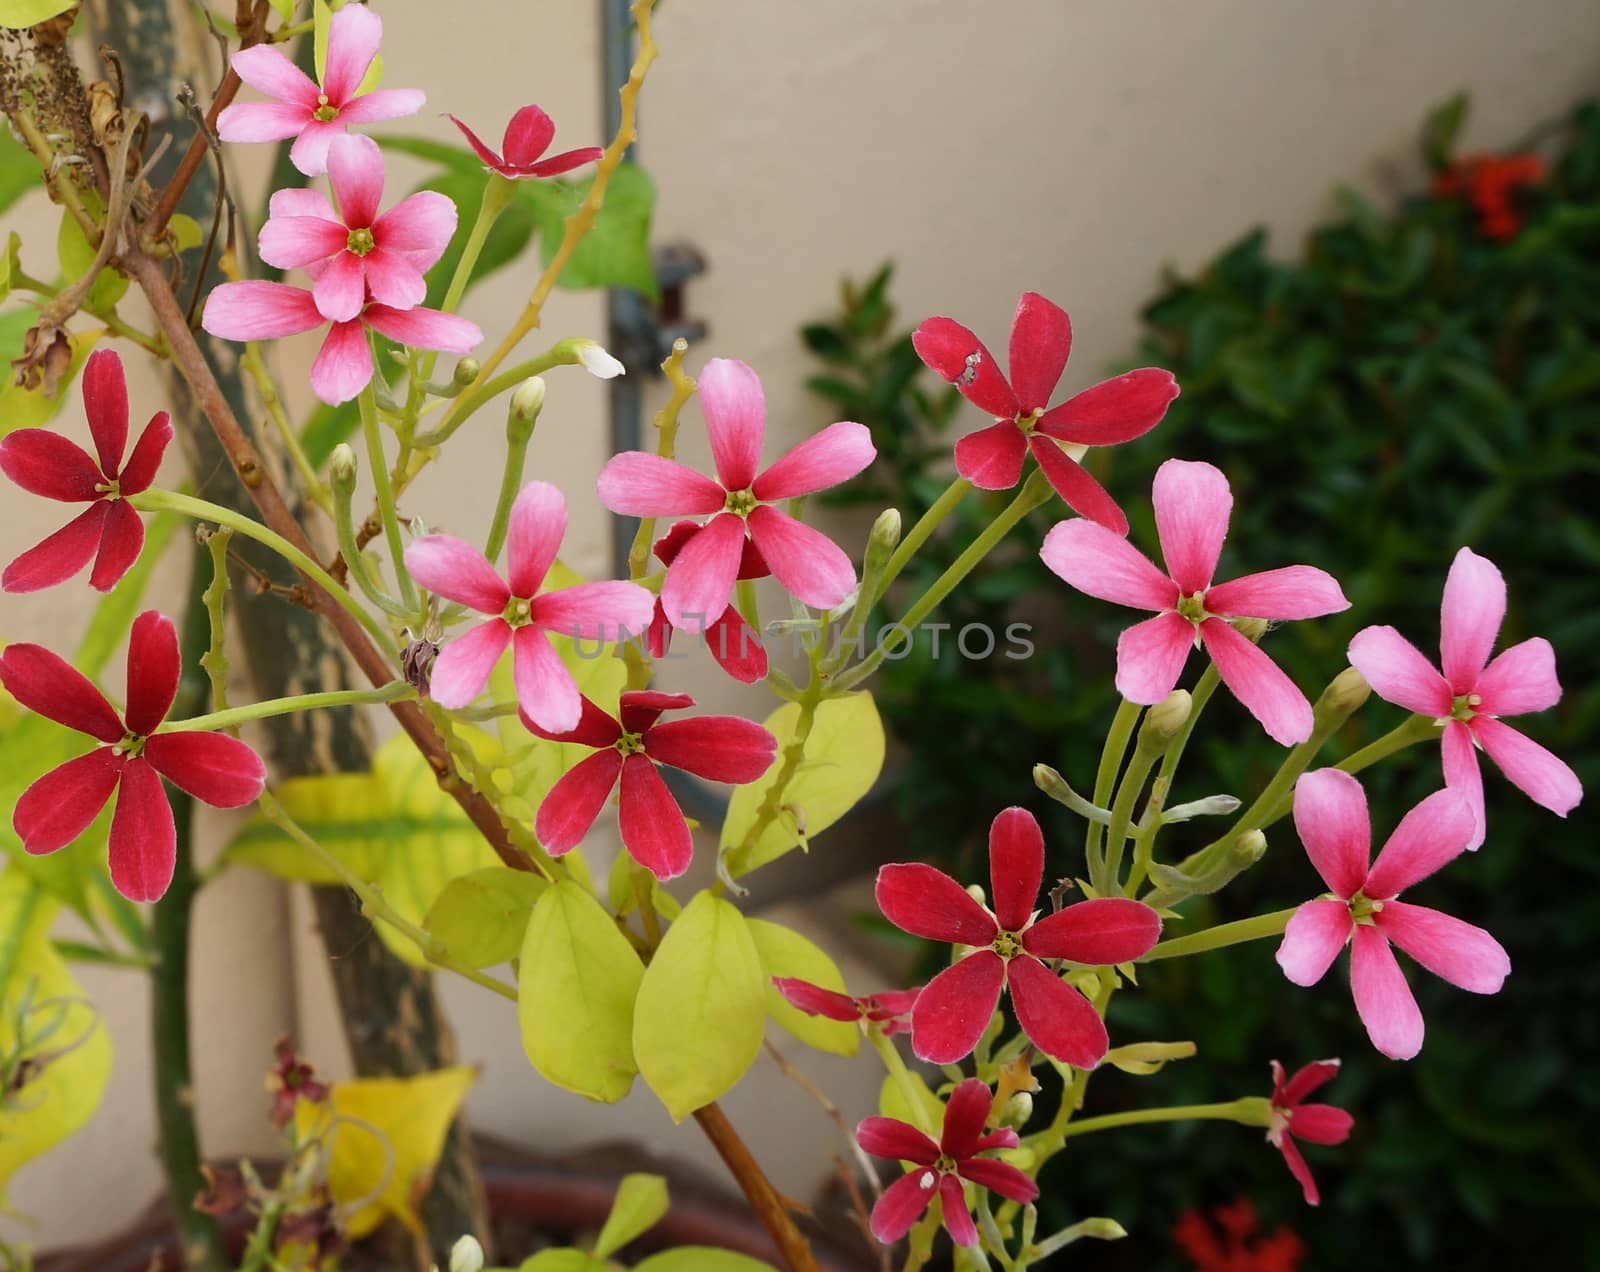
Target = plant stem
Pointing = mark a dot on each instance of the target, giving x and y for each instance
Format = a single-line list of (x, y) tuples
[(1105, 779), (395, 691), (498, 192), (1418, 728), (469, 400), (252, 364), (1246, 1111), (350, 550), (1122, 811), (919, 534), (519, 432), (1150, 826), (758, 1190), (386, 508), (1224, 934), (890, 1055), (683, 387)]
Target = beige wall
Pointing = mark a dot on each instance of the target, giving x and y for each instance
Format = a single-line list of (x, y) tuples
[(1070, 148)]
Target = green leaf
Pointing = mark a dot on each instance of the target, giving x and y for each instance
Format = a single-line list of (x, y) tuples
[(321, 23), (702, 1007), (342, 811), (892, 1102), (616, 250), (114, 615), (562, 1260), (640, 1203), (30, 408), (1440, 128), (507, 240), (76, 257), (24, 13), (785, 952), (186, 231), (19, 170), (843, 758), (701, 1259), (482, 917), (575, 1002)]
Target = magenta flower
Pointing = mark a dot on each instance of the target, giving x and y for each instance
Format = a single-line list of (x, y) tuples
[(1330, 813), (1193, 504), (733, 643), (700, 580), (343, 366), (954, 1007), (941, 1167), (213, 767), (45, 463), (528, 136), (629, 750), (1292, 1119), (1115, 410), (889, 1010), (519, 615), (355, 252), (314, 115), (1473, 693)]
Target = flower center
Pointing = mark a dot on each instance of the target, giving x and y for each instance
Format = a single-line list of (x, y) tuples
[(1026, 422), (1193, 607), (325, 110), (741, 502), (360, 242), (109, 489), (1007, 945), (131, 747), (1277, 1126), (518, 611), (630, 744), (1362, 908), (1463, 706), (945, 1165)]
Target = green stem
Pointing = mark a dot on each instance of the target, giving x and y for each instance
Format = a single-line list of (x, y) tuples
[(1122, 811), (666, 422), (355, 561), (463, 407), (1224, 934), (919, 534), (252, 364), (1418, 728), (519, 433), (386, 508), (497, 195), (1105, 780), (394, 691), (902, 1077), (1144, 846), (1246, 1111)]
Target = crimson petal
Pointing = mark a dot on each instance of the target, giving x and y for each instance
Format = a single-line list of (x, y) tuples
[(1057, 1018), (105, 404), (46, 464), (718, 748), (216, 769), (959, 356), (140, 470), (1099, 932), (48, 684), (154, 666), (1077, 488), (999, 1177), (121, 541), (575, 801), (57, 558), (890, 1137), (653, 827), (1016, 866), (926, 902), (964, 1117), (955, 1007), (1041, 342), (143, 841), (1115, 410), (59, 806)]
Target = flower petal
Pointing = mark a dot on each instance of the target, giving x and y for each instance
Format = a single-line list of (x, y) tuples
[(105, 404), (1312, 940), (1193, 504), (639, 709), (245, 122), (735, 647), (51, 686), (268, 71), (1399, 672), (605, 611), (309, 153), (292, 242), (1056, 1017), (811, 567), (341, 290), (955, 1007), (955, 353), (1041, 341), (1521, 679), (295, 201), (463, 666), (1307, 1078), (1433, 833), (59, 556), (637, 484), (717, 748), (1115, 410), (991, 458), (121, 541), (1541, 776), (1383, 999), (814, 1000), (353, 39), (424, 328), (902, 1204), (652, 825), (700, 579), (59, 806), (213, 767), (46, 464), (957, 1218), (489, 158), (1290, 592), (881, 1136), (1099, 932), (538, 523), (393, 278), (999, 1177), (1016, 867), (735, 412), (422, 223), (1297, 1167), (1102, 564), (355, 172), (575, 801), (545, 688), (259, 311), (595, 728), (1330, 816), (153, 670), (1076, 486), (965, 1114), (1259, 683), (824, 459), (926, 902), (142, 465), (1151, 655), (143, 841), (1466, 956), (566, 161), (528, 135), (1470, 614), (1320, 1124), (383, 103), (451, 568)]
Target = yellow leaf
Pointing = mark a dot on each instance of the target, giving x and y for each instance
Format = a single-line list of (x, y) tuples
[(786, 953)]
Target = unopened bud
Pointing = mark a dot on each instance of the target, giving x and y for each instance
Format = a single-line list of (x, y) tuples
[(1163, 721), (1102, 1229), (1018, 1109), (342, 465), (1252, 629), (1055, 786), (466, 371), (1210, 806), (885, 537), (466, 1256), (975, 891), (1343, 696), (526, 403), (596, 361), (1251, 847)]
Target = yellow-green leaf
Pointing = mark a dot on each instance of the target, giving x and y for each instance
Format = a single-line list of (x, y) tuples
[(702, 1007), (482, 917), (321, 20), (341, 811), (784, 952), (24, 13), (30, 408), (575, 1000), (892, 1102), (565, 1259), (640, 1202), (77, 256), (1145, 1058), (701, 1259), (619, 889), (186, 231)]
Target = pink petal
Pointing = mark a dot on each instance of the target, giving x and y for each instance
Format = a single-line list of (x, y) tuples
[(641, 708), (1098, 932), (457, 571), (957, 1218), (355, 172), (1307, 1078), (343, 366), (353, 39), (1313, 939), (1459, 756), (1383, 999), (735, 646), (383, 103), (268, 71), (1115, 410), (1297, 1167), (1057, 1018), (1016, 867), (991, 458), (1320, 1124), (1076, 486), (954, 1008), (59, 806), (1259, 683), (902, 1204), (259, 311), (955, 353), (717, 748), (735, 412), (608, 611), (825, 459), (700, 580), (1330, 816), (965, 1114), (49, 685), (1193, 504), (652, 825), (1151, 655), (153, 670), (121, 541), (640, 485), (105, 404), (566, 161), (423, 223), (1293, 591), (594, 728), (575, 801), (1521, 679), (811, 567), (1041, 340), (262, 121), (143, 840), (47, 464), (293, 201), (537, 525), (340, 292), (1436, 831), (545, 688), (213, 767), (1470, 614), (59, 556), (1399, 672), (1466, 956), (290, 242), (424, 328), (1102, 564), (1542, 777), (392, 279), (999, 1177), (489, 158), (814, 1000), (528, 135), (926, 902), (142, 465), (463, 666)]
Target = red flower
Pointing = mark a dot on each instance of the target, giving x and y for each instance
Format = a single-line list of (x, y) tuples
[(943, 1166), (290, 1081), (718, 748), (734, 644), (528, 136), (890, 1009), (1314, 1123), (954, 1009), (45, 463), (1116, 410), (1489, 181), (213, 767), (1235, 1244)]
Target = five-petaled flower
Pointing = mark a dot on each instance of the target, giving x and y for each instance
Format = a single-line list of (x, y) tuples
[(1192, 506), (733, 643), (1473, 693), (955, 1006), (45, 463), (941, 1167), (890, 1010), (700, 579), (355, 253), (519, 614), (1115, 410), (528, 135), (1330, 814), (627, 750), (314, 115), (290, 1081), (1294, 1119), (213, 767)]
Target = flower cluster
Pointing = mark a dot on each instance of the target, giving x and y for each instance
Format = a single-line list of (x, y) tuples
[(1490, 184)]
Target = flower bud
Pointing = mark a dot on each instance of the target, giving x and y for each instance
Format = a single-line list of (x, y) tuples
[(1056, 787), (1252, 846), (594, 359), (1252, 629), (1018, 1109), (1101, 1229), (528, 400), (466, 372), (1210, 806), (1164, 720), (884, 539), (1343, 696), (466, 1256), (342, 466)]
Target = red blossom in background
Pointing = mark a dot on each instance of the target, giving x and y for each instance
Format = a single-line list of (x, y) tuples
[(717, 748), (1489, 182), (1115, 410), (44, 463), (941, 1167), (528, 135), (954, 1007), (213, 767), (733, 643), (1294, 1119), (290, 1081), (1235, 1242), (891, 1009)]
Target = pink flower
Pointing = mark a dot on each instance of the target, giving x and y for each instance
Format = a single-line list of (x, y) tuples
[(1330, 813), (890, 1010), (315, 115), (213, 767), (1193, 503), (1112, 411), (954, 1008), (734, 644), (700, 580), (343, 366), (520, 615), (941, 1167), (45, 463), (354, 252), (1293, 1119), (1473, 693), (717, 748), (528, 136)]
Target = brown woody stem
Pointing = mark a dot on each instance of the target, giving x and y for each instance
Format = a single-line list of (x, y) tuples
[(758, 1189)]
